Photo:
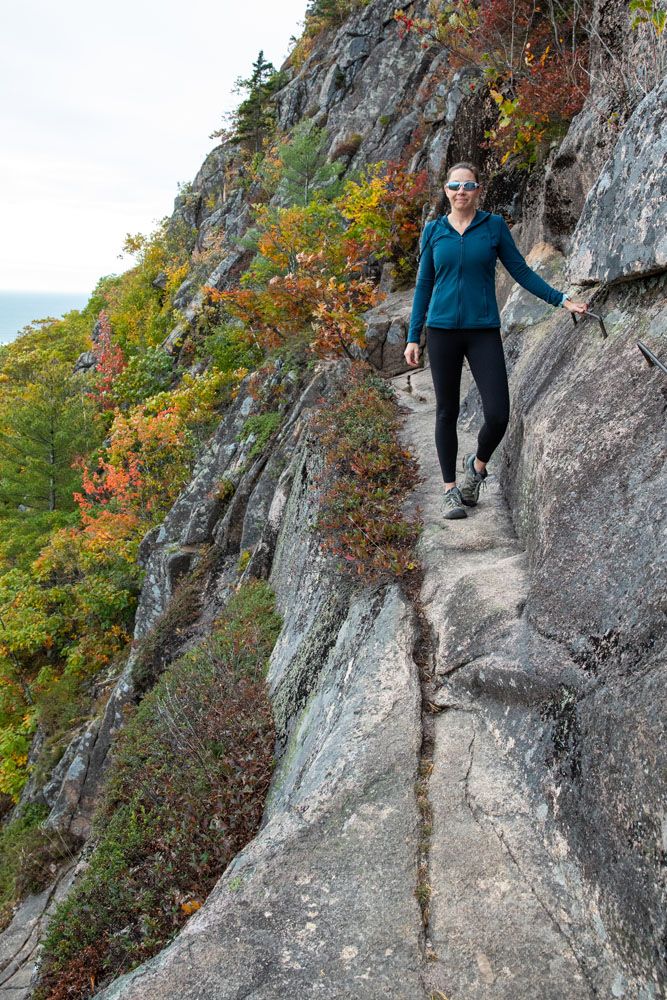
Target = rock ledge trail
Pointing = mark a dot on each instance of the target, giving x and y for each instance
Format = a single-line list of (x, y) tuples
[(507, 915)]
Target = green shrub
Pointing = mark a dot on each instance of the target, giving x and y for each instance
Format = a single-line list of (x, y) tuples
[(262, 425), (229, 348), (145, 374)]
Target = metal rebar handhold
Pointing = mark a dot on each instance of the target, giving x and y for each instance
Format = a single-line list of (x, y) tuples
[(596, 316), (651, 358)]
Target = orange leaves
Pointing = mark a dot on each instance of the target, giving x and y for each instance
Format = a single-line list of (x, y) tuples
[(311, 276), (305, 299), (144, 468), (191, 906)]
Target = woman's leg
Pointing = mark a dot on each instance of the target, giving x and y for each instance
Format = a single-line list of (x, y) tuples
[(486, 357), (445, 353)]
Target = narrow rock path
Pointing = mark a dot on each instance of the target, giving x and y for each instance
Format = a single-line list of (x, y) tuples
[(19, 941), (507, 914)]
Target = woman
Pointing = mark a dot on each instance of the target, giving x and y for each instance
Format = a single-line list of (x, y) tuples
[(455, 295)]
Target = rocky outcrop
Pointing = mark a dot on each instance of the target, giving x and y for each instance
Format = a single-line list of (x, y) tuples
[(584, 471), (325, 891), (386, 332), (19, 942), (621, 232), (624, 66), (323, 897), (530, 861)]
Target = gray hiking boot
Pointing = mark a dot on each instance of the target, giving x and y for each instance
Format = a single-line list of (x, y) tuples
[(452, 505), (472, 481)]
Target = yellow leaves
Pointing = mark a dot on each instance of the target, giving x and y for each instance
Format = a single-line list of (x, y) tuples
[(176, 278), (134, 245), (191, 906), (648, 12)]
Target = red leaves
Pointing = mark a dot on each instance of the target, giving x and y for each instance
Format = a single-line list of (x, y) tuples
[(110, 362), (369, 476), (534, 55)]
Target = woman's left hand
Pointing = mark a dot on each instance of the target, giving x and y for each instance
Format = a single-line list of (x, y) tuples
[(576, 307)]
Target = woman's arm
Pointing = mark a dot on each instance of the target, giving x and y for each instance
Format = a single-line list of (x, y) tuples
[(516, 265), (423, 288)]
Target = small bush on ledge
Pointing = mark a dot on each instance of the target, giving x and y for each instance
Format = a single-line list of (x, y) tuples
[(368, 475)]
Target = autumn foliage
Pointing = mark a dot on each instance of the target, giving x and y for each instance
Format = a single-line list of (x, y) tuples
[(313, 273), (368, 475), (90, 462), (110, 363), (185, 792), (144, 468), (533, 57)]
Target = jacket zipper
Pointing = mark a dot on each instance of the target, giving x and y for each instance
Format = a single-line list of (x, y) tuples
[(458, 294)]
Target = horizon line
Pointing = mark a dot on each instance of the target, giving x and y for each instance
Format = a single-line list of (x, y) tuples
[(47, 291)]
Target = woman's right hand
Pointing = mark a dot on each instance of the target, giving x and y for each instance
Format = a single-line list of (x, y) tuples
[(411, 354), (576, 307)]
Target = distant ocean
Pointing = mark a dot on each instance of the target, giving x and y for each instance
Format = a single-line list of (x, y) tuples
[(19, 308)]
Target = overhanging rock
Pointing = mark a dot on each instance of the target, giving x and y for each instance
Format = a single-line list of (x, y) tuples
[(622, 232)]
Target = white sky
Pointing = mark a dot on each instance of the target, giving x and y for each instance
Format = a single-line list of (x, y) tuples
[(104, 109)]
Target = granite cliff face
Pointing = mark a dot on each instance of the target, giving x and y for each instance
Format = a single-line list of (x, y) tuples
[(492, 737)]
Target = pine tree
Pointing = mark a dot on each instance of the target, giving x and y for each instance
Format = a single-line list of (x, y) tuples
[(255, 118), (304, 166), (44, 424), (329, 12)]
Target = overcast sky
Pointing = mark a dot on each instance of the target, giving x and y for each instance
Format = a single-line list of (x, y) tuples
[(104, 109)]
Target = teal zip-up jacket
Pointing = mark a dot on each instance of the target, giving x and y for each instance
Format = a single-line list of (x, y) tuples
[(456, 282)]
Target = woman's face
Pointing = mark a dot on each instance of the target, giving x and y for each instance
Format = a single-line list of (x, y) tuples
[(462, 200)]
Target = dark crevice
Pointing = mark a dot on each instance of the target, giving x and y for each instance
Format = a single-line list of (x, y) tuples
[(423, 654)]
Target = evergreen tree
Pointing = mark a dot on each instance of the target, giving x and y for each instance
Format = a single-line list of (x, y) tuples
[(255, 118), (329, 12), (44, 424), (304, 166)]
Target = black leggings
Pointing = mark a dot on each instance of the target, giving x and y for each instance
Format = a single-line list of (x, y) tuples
[(484, 350)]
